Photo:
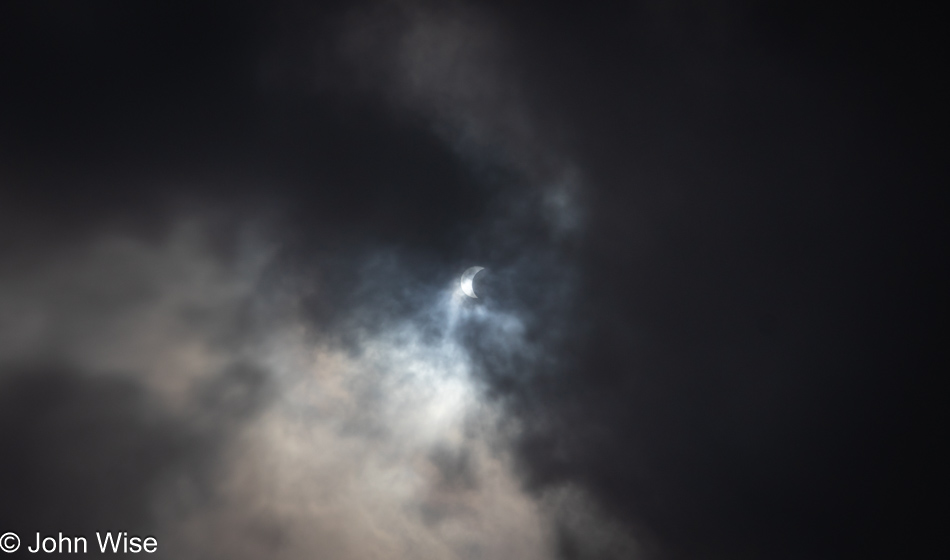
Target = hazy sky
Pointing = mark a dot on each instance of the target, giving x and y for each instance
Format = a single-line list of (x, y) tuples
[(231, 238)]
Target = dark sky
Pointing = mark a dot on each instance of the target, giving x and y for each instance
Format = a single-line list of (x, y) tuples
[(230, 235)]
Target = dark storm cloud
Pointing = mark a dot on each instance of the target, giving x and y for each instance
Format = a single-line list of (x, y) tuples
[(84, 453), (738, 391), (91, 452), (697, 314), (122, 118)]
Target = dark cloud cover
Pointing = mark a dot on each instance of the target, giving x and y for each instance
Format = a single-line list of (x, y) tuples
[(710, 232)]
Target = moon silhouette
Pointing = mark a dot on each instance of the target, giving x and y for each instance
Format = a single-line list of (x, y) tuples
[(467, 277)]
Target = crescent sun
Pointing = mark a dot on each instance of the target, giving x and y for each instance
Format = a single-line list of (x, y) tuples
[(467, 277)]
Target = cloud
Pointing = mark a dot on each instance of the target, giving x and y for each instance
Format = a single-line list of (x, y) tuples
[(269, 437), (231, 242), (86, 453)]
